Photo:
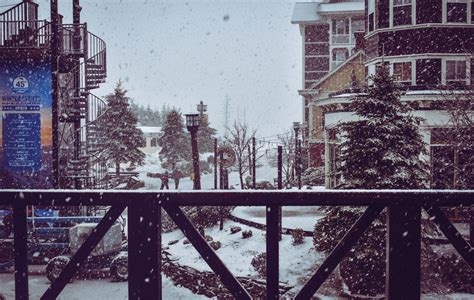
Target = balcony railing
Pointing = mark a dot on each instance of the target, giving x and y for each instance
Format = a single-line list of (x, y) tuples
[(144, 246)]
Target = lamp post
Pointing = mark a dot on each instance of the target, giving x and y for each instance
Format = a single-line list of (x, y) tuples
[(192, 123), (296, 127)]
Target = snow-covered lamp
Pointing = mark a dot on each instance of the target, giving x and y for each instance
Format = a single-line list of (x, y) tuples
[(192, 121)]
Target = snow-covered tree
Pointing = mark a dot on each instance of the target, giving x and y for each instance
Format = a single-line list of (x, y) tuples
[(382, 149), (120, 136), (174, 142), (205, 136)]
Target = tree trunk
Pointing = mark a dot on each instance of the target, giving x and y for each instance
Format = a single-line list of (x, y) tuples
[(241, 180), (221, 224)]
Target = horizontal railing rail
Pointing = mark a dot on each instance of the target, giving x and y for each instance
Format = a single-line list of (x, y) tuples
[(144, 227)]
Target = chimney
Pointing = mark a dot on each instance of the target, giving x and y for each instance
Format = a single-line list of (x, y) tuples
[(360, 40)]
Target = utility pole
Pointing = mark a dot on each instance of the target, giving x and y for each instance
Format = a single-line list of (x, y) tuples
[(215, 164), (250, 160), (300, 165), (221, 171), (55, 91), (280, 186), (254, 161)]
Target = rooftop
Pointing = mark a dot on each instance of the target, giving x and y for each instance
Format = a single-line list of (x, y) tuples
[(310, 12)]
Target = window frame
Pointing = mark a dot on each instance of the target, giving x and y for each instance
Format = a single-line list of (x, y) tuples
[(456, 79), (335, 63), (394, 5), (403, 82), (347, 29), (469, 7)]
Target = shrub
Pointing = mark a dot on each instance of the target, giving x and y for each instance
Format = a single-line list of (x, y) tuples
[(209, 238), (297, 236), (247, 234), (259, 263), (313, 176)]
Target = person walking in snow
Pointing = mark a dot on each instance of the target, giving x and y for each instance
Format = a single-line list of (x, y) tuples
[(164, 181), (176, 175)]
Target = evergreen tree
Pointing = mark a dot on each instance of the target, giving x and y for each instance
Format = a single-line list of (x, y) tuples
[(205, 136), (174, 142), (117, 127), (381, 150)]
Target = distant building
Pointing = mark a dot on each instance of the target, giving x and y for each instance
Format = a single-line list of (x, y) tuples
[(152, 134), (428, 45), (328, 39)]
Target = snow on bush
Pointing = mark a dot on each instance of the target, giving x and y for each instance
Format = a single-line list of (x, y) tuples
[(259, 263), (297, 236)]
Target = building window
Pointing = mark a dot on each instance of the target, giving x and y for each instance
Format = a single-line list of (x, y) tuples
[(456, 71), (371, 15), (340, 31), (402, 72), (402, 12), (154, 142), (357, 25), (339, 55), (456, 11)]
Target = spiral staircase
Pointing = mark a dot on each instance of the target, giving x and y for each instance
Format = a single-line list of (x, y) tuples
[(82, 68)]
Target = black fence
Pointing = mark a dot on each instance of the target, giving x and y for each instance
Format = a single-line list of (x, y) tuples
[(144, 232)]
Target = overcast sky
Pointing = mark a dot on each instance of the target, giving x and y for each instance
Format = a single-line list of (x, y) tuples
[(183, 52)]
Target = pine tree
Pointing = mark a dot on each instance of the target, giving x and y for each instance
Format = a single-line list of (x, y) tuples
[(381, 150), (205, 136), (174, 142), (121, 138)]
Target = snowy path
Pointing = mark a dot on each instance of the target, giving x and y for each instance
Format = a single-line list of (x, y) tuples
[(88, 289)]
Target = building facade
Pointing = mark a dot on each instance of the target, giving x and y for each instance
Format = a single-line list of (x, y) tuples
[(328, 39), (428, 47)]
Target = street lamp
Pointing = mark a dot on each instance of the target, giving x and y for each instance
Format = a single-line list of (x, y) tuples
[(296, 127), (192, 123)]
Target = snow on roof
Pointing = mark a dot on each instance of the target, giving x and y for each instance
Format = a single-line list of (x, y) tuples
[(149, 129), (305, 12), (327, 8)]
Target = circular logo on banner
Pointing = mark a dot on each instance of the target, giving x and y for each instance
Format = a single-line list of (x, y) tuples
[(20, 84), (228, 156)]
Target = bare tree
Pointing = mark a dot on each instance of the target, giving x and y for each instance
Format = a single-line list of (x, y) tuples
[(287, 141), (460, 107), (239, 137)]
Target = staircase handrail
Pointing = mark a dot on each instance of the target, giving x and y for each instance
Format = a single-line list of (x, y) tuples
[(17, 6)]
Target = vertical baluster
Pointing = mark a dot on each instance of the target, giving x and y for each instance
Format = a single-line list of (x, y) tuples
[(403, 252), (272, 252), (21, 249)]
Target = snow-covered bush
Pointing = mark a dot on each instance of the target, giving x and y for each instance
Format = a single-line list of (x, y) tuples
[(313, 176), (297, 236), (235, 229), (247, 234), (209, 238), (215, 245), (259, 263)]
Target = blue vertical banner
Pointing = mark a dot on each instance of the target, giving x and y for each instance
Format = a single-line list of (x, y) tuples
[(26, 123)]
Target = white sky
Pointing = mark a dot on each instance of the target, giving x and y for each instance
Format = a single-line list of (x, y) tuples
[(181, 52)]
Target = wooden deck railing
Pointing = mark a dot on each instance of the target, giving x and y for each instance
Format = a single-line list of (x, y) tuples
[(144, 232)]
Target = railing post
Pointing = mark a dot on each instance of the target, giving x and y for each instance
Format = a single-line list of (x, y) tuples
[(403, 252), (21, 249), (273, 266), (144, 250)]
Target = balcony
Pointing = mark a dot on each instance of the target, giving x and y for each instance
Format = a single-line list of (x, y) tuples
[(403, 207)]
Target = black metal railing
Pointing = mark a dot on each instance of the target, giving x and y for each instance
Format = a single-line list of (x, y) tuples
[(144, 245), (25, 34)]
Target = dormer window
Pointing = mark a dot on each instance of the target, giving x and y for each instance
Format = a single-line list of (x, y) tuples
[(402, 12)]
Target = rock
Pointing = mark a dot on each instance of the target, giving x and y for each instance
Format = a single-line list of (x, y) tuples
[(247, 234), (235, 229)]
